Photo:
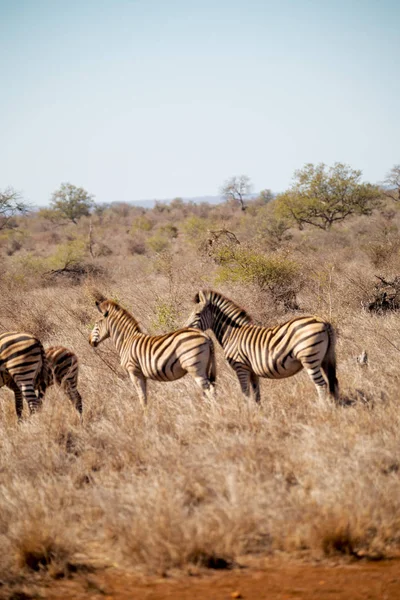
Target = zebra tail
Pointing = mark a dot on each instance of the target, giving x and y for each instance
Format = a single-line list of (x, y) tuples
[(329, 364), (212, 364)]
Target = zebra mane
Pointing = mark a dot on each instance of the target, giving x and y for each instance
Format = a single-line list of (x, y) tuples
[(236, 313), (116, 310)]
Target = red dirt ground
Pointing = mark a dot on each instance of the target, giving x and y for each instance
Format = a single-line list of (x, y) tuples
[(275, 580)]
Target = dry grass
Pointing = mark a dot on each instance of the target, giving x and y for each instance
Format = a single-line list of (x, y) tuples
[(191, 482)]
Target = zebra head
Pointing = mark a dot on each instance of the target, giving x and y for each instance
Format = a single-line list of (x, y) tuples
[(100, 331), (202, 316)]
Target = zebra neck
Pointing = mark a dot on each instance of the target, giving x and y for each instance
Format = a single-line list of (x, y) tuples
[(222, 329), (123, 329)]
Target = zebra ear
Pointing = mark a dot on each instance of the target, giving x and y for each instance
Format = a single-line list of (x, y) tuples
[(98, 304), (196, 299)]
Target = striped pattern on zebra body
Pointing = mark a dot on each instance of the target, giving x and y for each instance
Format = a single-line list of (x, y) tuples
[(63, 371), (303, 342), (165, 357), (23, 360)]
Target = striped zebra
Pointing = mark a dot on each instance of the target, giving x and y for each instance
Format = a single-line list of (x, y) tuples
[(303, 342), (22, 363), (160, 357), (62, 369)]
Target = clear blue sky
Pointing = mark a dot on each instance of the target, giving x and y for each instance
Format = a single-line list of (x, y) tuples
[(136, 99)]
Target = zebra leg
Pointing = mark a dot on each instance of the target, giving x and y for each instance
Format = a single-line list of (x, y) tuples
[(244, 376), (255, 384), (18, 403), (140, 383), (28, 393), (316, 375), (206, 385), (74, 396)]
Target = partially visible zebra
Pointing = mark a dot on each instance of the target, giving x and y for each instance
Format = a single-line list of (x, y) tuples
[(62, 369), (303, 342), (23, 360), (160, 357)]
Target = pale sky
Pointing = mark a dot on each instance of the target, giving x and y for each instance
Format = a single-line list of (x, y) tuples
[(144, 99)]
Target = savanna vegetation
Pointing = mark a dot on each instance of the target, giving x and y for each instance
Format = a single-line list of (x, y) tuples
[(194, 482)]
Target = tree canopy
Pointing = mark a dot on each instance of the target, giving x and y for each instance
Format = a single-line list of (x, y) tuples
[(10, 206), (236, 189), (71, 203), (392, 183), (321, 196)]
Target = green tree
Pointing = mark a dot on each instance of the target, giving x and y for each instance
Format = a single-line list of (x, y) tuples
[(10, 206), (391, 183), (236, 189), (71, 203), (321, 196)]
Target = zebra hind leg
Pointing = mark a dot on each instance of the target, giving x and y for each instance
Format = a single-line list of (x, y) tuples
[(74, 396), (206, 385), (317, 377), (28, 393), (18, 403), (255, 385)]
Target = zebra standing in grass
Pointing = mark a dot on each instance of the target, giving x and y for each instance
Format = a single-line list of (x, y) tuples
[(63, 370), (303, 342), (161, 357), (23, 360)]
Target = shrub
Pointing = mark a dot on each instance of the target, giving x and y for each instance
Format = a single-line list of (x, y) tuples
[(195, 228), (158, 242), (68, 255), (141, 223), (275, 273), (169, 231), (136, 245), (166, 315)]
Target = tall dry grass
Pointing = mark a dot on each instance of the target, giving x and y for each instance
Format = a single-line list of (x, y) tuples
[(189, 481)]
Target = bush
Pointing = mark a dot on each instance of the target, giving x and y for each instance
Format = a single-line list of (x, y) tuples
[(136, 245), (68, 255), (274, 273), (166, 315), (141, 223), (195, 229), (158, 242)]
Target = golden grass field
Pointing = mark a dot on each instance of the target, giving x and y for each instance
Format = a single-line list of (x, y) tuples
[(191, 482)]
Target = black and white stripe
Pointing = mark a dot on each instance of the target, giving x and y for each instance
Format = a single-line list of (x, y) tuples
[(22, 363), (63, 371), (161, 357), (303, 342)]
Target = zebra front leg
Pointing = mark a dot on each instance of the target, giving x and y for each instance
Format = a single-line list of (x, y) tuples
[(140, 383)]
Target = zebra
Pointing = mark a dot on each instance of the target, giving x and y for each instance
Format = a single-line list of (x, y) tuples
[(165, 357), (303, 342), (62, 369), (22, 363)]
